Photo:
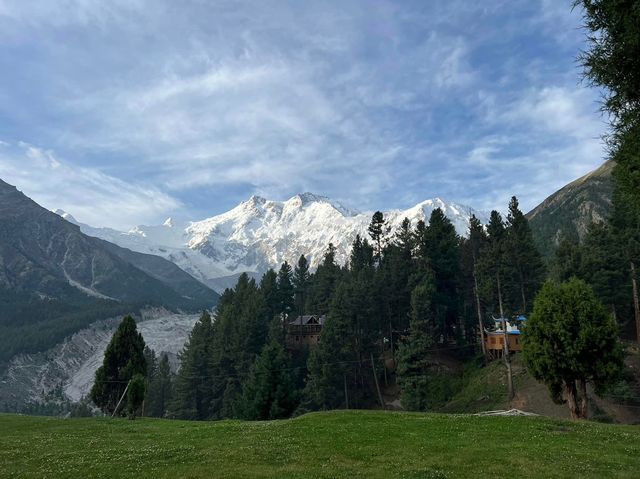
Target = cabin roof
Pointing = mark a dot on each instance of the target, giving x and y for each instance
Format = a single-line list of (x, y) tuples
[(309, 319)]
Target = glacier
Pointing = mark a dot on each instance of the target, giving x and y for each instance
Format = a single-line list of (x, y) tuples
[(68, 369)]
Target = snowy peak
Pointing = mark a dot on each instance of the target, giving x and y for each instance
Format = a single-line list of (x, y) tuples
[(66, 216), (260, 233)]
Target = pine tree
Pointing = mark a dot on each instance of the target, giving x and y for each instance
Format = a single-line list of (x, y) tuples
[(269, 290), (194, 381), (442, 248), (472, 249), (361, 255), (160, 389), (494, 270), (392, 283), (613, 62), (286, 291), (570, 340), (123, 359), (240, 332), (378, 229), (525, 269), (492, 265), (323, 283), (301, 280), (269, 391), (413, 355), (331, 363)]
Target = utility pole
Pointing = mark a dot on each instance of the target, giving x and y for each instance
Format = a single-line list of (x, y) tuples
[(375, 377), (507, 359), (636, 301), (479, 308), (121, 398), (346, 392)]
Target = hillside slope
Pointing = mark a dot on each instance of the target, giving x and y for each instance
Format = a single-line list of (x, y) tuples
[(569, 211), (54, 279)]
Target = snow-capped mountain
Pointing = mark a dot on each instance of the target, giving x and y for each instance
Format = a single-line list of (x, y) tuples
[(259, 234)]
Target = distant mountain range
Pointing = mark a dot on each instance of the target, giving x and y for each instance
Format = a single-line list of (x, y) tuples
[(259, 234), (54, 279), (57, 275), (569, 211)]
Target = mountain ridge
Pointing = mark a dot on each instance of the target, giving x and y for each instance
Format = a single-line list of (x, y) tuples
[(54, 278), (570, 211), (259, 233)]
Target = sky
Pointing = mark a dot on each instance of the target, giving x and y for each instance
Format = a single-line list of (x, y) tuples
[(125, 112)]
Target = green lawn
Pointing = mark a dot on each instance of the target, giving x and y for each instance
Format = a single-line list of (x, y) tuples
[(338, 444)]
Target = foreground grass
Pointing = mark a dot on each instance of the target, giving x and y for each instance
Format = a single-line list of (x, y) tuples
[(323, 445)]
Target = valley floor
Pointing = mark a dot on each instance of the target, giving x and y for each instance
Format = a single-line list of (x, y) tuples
[(322, 445)]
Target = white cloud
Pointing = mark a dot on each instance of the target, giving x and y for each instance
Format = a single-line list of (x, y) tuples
[(90, 195), (374, 103)]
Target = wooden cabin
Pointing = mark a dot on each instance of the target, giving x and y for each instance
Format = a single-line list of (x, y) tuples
[(494, 340), (304, 331)]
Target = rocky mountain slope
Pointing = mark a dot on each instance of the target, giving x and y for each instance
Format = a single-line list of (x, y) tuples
[(67, 370), (569, 211), (54, 279), (259, 234)]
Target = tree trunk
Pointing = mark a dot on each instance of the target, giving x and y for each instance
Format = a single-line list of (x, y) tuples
[(636, 301), (570, 396), (507, 359), (584, 399), (477, 295)]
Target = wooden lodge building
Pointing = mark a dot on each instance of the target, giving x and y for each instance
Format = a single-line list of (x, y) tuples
[(494, 340), (304, 331)]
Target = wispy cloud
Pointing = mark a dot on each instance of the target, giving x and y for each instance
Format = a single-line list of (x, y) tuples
[(378, 104), (92, 196)]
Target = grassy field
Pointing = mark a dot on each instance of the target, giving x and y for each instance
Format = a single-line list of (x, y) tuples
[(323, 445)]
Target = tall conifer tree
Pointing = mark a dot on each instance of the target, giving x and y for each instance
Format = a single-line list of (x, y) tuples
[(123, 359)]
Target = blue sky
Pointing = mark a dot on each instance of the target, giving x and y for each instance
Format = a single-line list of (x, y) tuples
[(125, 112)]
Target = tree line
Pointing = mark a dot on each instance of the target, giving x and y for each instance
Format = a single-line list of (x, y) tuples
[(401, 295), (424, 289)]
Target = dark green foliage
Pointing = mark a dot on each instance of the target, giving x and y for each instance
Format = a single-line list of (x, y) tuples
[(193, 395), (413, 355), (440, 243), (613, 60), (159, 391), (135, 395), (471, 250), (524, 269), (323, 283), (123, 359), (331, 364), (239, 334), (286, 291), (269, 391), (601, 262), (362, 255), (378, 229), (570, 340), (269, 289), (301, 284)]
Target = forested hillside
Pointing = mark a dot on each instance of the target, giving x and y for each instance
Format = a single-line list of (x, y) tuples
[(569, 212), (54, 280), (421, 290)]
